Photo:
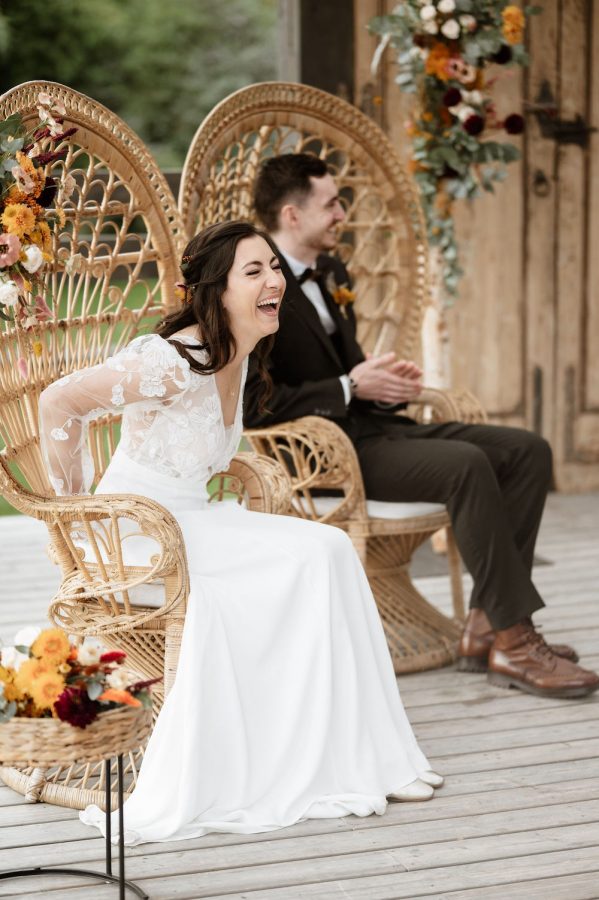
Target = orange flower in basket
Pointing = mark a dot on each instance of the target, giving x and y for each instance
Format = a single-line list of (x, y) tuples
[(114, 696), (29, 671), (11, 692), (52, 645), (46, 689)]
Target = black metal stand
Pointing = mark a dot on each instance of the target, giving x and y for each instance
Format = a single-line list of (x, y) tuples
[(106, 876)]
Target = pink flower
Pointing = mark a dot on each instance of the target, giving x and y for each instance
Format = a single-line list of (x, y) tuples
[(24, 181), (10, 249), (42, 310), (22, 367)]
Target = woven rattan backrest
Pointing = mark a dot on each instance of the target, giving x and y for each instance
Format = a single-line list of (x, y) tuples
[(383, 241), (113, 270)]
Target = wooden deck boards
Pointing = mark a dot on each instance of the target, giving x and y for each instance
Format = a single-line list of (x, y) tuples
[(518, 816)]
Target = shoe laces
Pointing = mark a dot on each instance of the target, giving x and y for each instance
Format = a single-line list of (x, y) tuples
[(538, 641)]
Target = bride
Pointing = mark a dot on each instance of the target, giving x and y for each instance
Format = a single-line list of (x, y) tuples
[(285, 705)]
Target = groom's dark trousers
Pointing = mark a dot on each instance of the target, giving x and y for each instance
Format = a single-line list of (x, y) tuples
[(492, 479)]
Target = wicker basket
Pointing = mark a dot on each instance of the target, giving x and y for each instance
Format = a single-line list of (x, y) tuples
[(50, 742)]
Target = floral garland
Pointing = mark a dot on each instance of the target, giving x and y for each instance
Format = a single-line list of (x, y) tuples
[(30, 199), (43, 675), (443, 50)]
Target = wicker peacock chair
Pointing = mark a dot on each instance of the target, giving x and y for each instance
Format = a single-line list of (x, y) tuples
[(385, 249), (112, 276)]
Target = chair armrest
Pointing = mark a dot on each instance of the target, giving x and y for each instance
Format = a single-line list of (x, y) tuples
[(94, 595), (439, 405), (259, 481), (316, 455)]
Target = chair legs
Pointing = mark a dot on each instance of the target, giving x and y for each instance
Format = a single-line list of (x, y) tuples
[(419, 636)]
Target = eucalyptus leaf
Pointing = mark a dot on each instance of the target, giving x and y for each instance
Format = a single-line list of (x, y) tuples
[(12, 146), (94, 689)]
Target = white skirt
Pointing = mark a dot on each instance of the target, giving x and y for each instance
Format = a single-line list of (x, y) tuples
[(285, 704)]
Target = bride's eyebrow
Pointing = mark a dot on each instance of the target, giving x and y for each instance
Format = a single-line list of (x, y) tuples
[(254, 262)]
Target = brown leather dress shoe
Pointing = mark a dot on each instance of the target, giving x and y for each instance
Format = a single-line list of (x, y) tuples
[(477, 639), (520, 658)]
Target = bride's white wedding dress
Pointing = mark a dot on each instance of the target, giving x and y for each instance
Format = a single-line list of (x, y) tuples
[(285, 704)]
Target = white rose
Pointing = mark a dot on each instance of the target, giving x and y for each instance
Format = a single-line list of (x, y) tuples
[(427, 13), (465, 111), (467, 21), (446, 6), (119, 679), (473, 97), (89, 654), (10, 658), (9, 292), (35, 258), (450, 29), (27, 635), (431, 27)]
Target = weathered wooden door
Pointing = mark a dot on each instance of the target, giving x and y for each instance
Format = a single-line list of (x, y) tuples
[(525, 330), (562, 238)]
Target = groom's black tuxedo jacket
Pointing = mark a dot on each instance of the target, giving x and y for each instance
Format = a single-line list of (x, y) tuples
[(305, 363)]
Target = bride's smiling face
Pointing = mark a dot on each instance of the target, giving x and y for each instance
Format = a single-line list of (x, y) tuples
[(254, 291)]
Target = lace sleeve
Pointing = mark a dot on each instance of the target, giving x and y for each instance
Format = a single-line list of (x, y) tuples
[(147, 368)]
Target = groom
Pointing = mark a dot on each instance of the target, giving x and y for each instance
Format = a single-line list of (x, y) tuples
[(493, 480)]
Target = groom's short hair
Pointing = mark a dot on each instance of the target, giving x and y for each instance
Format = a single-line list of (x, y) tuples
[(284, 179)]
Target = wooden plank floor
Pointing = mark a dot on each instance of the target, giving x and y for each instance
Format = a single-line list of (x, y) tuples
[(518, 816)]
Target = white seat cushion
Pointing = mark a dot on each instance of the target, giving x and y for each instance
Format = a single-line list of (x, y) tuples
[(377, 509)]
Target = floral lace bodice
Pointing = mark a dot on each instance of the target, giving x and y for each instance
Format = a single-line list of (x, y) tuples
[(172, 416)]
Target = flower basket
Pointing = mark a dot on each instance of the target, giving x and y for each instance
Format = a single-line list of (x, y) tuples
[(46, 742)]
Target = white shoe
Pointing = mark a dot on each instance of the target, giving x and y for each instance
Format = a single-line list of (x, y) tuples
[(416, 790), (430, 777)]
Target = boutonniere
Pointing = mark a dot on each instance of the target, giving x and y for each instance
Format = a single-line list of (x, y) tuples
[(342, 294)]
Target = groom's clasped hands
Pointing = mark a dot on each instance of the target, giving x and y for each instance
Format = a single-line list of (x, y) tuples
[(386, 379)]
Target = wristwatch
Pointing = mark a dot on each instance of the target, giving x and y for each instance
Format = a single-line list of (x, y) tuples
[(353, 386)]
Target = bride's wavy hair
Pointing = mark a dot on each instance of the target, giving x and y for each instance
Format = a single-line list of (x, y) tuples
[(205, 266)]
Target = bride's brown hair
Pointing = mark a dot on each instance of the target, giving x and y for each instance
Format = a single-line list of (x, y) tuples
[(205, 266)]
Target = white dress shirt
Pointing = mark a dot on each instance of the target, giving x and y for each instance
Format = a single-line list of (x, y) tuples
[(312, 291)]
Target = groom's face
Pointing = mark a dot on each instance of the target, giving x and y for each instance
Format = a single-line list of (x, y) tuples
[(318, 217)]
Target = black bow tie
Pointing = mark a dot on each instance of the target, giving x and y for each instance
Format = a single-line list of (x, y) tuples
[(310, 274)]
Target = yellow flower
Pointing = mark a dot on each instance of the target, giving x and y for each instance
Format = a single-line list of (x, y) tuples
[(18, 219), (46, 689), (11, 692), (37, 348), (60, 215), (43, 238), (436, 61), (52, 645), (36, 175), (29, 671), (513, 24)]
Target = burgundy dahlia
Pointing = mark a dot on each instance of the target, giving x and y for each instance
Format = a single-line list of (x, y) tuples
[(474, 125), (75, 707), (46, 198), (514, 124), (504, 55), (452, 97)]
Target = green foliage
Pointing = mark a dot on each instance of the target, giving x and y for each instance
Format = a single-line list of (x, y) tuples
[(162, 67)]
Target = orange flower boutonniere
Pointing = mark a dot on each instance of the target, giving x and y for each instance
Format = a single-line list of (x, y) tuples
[(342, 294)]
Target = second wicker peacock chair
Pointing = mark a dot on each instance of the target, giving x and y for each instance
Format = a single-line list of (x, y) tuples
[(384, 246)]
